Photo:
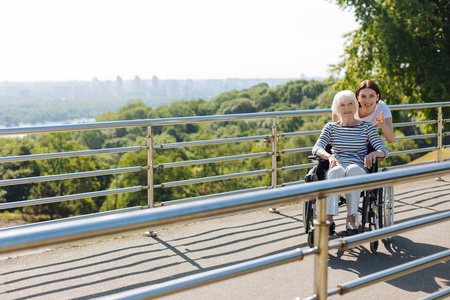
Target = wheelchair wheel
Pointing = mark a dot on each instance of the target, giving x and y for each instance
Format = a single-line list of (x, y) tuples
[(388, 208), (311, 238), (309, 209), (373, 245)]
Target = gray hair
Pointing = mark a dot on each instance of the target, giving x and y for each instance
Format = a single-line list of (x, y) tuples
[(341, 96)]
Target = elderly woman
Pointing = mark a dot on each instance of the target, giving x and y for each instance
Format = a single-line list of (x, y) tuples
[(350, 140)]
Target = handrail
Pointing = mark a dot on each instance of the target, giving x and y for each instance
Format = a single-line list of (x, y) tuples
[(394, 272), (208, 277), (191, 209), (23, 203), (15, 181), (192, 281), (18, 239), (69, 154), (39, 235), (190, 120), (211, 160), (211, 142), (268, 138), (211, 178)]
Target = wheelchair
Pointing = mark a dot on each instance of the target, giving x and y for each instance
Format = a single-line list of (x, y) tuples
[(376, 211)]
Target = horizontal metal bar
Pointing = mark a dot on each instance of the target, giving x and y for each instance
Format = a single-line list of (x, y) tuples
[(297, 167), (419, 105), (49, 234), (385, 232), (24, 203), (212, 142), (190, 120), (446, 133), (301, 133), (290, 183), (211, 178), (412, 137), (204, 278), (81, 217), (211, 160), (394, 272), (441, 294), (160, 122), (413, 151), (296, 150), (412, 165), (415, 123), (68, 154), (15, 181), (213, 196)]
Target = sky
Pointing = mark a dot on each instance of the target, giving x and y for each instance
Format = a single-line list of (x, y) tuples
[(61, 40)]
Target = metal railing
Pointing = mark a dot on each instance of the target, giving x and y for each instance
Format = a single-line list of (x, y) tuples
[(271, 138), (16, 239), (135, 218)]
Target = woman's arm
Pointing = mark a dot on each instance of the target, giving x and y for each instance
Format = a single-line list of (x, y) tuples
[(322, 142), (386, 126), (371, 158), (380, 148), (327, 156)]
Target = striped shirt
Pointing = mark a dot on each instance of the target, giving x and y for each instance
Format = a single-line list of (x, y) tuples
[(350, 143)]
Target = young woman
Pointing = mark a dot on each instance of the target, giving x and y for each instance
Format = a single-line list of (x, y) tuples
[(350, 140), (372, 109)]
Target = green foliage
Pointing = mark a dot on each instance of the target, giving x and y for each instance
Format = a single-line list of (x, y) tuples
[(63, 142), (15, 147), (293, 95), (403, 45)]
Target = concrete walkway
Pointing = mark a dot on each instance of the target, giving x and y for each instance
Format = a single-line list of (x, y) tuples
[(93, 270)]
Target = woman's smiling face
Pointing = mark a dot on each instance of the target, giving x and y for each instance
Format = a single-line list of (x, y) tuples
[(368, 99), (347, 109)]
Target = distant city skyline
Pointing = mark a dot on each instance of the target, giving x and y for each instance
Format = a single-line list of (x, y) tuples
[(147, 89), (52, 40)]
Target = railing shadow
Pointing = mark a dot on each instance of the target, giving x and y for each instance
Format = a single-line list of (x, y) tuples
[(401, 250), (165, 254)]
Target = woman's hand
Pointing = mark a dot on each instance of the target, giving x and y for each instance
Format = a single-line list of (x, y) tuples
[(380, 120), (333, 161), (370, 159)]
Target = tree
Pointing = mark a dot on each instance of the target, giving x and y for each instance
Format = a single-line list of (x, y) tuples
[(63, 142), (403, 45), (15, 147)]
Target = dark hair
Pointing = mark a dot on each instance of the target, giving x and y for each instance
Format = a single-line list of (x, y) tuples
[(368, 84)]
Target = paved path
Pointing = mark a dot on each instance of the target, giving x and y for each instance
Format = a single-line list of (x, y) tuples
[(92, 270)]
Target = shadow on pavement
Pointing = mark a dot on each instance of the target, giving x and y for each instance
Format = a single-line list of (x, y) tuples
[(401, 250)]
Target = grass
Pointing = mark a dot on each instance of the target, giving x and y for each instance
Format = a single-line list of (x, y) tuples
[(16, 215), (432, 156)]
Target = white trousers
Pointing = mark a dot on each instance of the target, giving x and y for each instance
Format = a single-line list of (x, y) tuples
[(352, 199)]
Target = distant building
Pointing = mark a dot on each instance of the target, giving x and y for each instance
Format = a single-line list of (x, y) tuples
[(119, 86)]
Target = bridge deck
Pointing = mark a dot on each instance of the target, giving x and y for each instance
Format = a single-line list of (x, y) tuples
[(96, 269)]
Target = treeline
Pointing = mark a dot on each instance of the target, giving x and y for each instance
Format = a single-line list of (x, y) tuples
[(16, 113), (295, 95)]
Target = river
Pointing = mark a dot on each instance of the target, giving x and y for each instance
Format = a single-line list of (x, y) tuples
[(74, 121)]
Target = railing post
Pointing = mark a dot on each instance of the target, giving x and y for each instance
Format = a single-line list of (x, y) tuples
[(321, 228), (150, 197), (440, 135), (150, 167), (274, 153)]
